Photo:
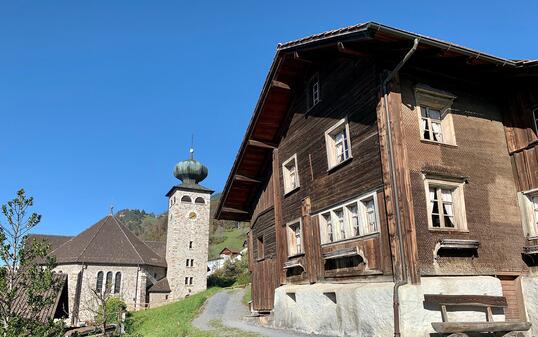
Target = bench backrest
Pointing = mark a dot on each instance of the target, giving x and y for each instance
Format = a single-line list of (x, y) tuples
[(467, 300)]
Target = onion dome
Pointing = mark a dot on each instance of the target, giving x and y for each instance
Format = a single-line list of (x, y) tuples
[(190, 170)]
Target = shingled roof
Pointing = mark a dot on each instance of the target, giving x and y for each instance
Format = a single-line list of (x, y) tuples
[(54, 241), (107, 242)]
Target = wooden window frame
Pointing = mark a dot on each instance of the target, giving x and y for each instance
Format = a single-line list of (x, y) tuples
[(313, 91), (286, 172), (260, 247), (458, 204), (291, 238), (346, 226), (427, 98), (528, 208), (535, 119), (330, 144)]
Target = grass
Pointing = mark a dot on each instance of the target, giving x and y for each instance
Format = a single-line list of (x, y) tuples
[(247, 297), (230, 332), (233, 238), (171, 320)]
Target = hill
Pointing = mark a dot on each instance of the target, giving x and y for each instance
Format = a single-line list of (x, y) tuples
[(152, 227)]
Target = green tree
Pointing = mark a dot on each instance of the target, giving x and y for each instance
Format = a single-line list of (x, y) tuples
[(25, 272)]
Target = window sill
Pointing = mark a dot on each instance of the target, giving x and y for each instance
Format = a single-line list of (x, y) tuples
[(531, 238), (295, 256), (433, 142), (340, 164), (448, 230), (286, 193), (355, 238)]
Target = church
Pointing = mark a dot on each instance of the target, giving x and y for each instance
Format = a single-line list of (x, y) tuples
[(108, 255)]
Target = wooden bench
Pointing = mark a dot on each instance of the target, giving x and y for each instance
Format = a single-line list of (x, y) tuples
[(459, 329)]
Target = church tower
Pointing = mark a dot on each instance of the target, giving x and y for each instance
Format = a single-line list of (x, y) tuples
[(188, 230)]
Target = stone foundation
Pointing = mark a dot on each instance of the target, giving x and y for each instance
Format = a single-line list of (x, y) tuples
[(365, 309)]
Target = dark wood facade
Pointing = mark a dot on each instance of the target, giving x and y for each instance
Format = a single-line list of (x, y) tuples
[(495, 157)]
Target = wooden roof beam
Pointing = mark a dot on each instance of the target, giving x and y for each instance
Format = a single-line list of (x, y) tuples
[(239, 177), (233, 210), (281, 85), (263, 145), (297, 57), (343, 49)]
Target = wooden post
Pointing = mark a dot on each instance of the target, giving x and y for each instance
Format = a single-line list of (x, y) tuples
[(281, 242), (310, 243), (403, 184)]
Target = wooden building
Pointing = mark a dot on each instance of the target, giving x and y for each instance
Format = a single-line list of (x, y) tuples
[(380, 161)]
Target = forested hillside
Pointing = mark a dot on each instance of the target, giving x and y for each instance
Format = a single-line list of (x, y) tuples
[(152, 227)]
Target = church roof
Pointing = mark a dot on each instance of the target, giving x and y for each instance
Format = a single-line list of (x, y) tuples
[(161, 286), (107, 242), (54, 241)]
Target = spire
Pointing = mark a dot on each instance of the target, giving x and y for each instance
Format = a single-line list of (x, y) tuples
[(190, 171)]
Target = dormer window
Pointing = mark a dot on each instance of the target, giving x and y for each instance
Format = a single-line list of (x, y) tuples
[(314, 91), (290, 174), (338, 144)]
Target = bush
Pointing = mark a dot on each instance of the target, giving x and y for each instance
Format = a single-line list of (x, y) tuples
[(233, 273), (115, 307)]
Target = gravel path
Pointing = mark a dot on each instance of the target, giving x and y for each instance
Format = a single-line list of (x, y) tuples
[(226, 315)]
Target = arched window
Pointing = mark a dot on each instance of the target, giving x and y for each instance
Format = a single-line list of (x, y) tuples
[(117, 283), (186, 198), (108, 284), (199, 200), (99, 285)]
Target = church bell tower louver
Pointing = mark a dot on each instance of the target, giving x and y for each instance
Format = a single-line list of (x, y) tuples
[(188, 230)]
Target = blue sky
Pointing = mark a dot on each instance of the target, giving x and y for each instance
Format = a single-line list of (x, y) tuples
[(98, 99)]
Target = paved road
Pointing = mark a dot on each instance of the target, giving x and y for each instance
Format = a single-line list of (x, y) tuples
[(226, 308)]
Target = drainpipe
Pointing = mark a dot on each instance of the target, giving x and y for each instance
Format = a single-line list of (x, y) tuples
[(404, 280)]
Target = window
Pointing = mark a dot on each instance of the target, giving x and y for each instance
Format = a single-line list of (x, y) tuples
[(99, 283), (189, 262), (430, 124), (188, 281), (290, 174), (108, 284), (435, 115), (535, 119), (190, 244), (314, 91), (354, 219), (528, 203), (295, 240), (117, 283), (338, 144), (446, 208), (186, 198), (199, 201), (260, 247)]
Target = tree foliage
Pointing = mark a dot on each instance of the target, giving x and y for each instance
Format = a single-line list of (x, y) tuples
[(25, 272)]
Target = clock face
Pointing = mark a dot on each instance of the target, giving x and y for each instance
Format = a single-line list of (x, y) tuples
[(192, 215)]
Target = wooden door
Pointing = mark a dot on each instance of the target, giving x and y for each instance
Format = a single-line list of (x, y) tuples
[(511, 286)]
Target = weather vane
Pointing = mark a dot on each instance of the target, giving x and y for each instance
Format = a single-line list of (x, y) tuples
[(111, 209)]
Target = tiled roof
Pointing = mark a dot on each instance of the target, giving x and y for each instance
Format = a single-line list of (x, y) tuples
[(21, 301), (54, 241), (161, 286), (108, 241), (158, 247)]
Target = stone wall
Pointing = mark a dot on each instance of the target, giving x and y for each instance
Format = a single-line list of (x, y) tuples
[(188, 221), (529, 287), (157, 299), (365, 309), (132, 289)]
